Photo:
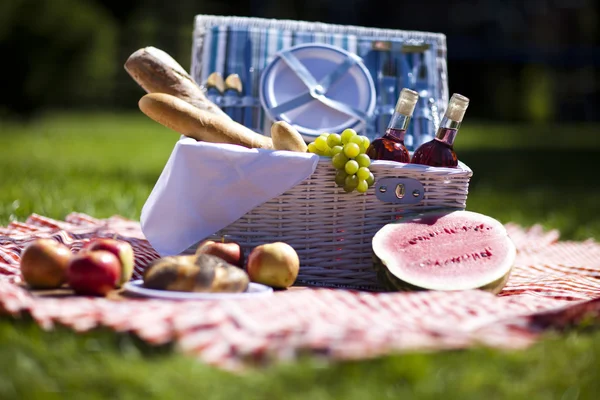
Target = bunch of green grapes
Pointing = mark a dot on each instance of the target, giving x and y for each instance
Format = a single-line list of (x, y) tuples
[(347, 152), (321, 145)]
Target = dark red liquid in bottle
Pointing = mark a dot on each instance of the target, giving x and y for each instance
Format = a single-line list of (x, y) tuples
[(436, 152), (389, 147)]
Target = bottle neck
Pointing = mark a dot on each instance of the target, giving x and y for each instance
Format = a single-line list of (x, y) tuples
[(447, 131), (399, 122), (397, 127)]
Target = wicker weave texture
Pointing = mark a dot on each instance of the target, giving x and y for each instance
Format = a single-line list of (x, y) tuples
[(203, 22), (331, 230)]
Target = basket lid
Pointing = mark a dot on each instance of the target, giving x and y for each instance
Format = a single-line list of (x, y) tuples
[(318, 88)]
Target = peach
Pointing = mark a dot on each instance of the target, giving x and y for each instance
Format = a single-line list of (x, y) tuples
[(273, 264), (44, 264)]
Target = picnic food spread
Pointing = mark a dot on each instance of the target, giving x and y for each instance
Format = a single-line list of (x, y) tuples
[(401, 261), (350, 155), (554, 285), (365, 210)]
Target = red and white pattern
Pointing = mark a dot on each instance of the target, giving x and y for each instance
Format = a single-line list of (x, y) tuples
[(554, 285)]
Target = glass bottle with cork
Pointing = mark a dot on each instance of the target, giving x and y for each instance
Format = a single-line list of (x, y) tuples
[(439, 152), (391, 145)]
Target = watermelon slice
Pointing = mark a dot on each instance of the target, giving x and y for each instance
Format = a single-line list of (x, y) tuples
[(448, 250)]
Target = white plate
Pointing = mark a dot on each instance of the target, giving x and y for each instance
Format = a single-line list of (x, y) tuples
[(254, 290), (279, 83)]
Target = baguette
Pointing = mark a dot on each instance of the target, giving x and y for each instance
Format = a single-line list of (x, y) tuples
[(190, 121), (286, 137), (157, 72)]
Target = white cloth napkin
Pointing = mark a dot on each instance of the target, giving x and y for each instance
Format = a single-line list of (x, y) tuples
[(206, 186)]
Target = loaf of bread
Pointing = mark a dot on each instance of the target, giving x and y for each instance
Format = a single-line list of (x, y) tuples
[(197, 273), (190, 121), (157, 72)]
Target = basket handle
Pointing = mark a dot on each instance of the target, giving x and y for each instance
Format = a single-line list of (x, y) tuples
[(399, 190)]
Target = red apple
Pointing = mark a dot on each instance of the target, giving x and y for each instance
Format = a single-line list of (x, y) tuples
[(44, 264), (94, 272), (119, 248), (230, 252), (274, 264)]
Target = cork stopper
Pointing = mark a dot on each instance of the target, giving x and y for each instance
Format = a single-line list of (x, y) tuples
[(457, 107), (406, 102)]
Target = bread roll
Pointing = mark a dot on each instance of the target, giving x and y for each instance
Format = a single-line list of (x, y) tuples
[(286, 137), (202, 273)]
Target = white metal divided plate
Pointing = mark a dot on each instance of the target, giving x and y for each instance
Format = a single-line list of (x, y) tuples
[(318, 88)]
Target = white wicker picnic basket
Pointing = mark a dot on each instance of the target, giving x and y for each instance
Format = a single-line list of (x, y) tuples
[(331, 230)]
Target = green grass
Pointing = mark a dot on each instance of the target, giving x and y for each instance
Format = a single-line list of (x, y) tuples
[(60, 364), (105, 164), (97, 164)]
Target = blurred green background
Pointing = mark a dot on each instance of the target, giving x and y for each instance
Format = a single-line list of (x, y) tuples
[(534, 61)]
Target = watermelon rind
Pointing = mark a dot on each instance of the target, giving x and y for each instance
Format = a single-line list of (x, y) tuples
[(389, 270)]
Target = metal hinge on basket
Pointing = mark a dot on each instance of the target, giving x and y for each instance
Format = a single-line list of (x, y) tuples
[(399, 190)]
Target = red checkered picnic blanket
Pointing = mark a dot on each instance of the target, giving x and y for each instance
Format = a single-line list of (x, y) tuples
[(554, 284)]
